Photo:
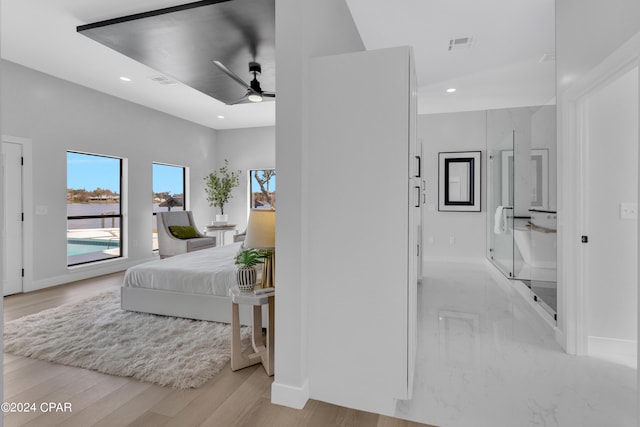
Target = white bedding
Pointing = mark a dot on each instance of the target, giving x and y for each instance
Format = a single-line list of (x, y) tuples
[(208, 271)]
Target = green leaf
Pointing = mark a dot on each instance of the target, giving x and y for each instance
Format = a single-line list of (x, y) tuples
[(219, 184)]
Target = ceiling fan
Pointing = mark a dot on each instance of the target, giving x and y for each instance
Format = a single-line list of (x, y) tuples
[(254, 91)]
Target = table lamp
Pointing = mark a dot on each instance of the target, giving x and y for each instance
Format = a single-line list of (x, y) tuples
[(261, 234)]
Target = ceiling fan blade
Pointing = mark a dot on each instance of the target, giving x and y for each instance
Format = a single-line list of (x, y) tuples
[(238, 101), (231, 74), (269, 94)]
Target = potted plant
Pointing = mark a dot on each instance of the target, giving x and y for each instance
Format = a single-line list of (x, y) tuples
[(218, 185), (246, 274)]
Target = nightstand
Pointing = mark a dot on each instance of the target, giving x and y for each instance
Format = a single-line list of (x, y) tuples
[(261, 350), (219, 232)]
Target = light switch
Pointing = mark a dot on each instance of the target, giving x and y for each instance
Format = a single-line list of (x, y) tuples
[(628, 211)]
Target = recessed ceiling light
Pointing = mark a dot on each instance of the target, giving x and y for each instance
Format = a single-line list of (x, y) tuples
[(451, 90), (125, 79), (163, 80), (221, 117)]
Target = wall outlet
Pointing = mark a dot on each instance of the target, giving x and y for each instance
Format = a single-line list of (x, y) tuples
[(42, 210), (628, 211), (452, 240)]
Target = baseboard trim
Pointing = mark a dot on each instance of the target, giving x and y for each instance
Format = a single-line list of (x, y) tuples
[(286, 395), (85, 271), (624, 352)]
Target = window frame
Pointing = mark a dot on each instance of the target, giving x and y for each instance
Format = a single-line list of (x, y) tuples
[(250, 187), (101, 216), (185, 202)]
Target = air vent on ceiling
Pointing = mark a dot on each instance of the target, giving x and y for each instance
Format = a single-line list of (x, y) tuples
[(457, 43), (547, 57), (163, 80)]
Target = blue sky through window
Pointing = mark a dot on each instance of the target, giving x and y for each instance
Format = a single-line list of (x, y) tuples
[(86, 171), (256, 187), (168, 178)]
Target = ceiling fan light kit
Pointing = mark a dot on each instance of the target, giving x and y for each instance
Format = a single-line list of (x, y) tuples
[(254, 91)]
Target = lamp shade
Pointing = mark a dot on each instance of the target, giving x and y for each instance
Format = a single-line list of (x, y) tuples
[(261, 230)]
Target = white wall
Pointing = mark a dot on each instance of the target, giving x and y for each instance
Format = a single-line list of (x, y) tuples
[(59, 116), (613, 179), (252, 148), (304, 29), (587, 31), (442, 133)]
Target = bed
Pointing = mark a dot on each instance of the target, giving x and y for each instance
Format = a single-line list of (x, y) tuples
[(194, 285)]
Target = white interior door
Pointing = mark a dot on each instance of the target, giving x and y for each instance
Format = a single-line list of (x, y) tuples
[(12, 234), (611, 212)]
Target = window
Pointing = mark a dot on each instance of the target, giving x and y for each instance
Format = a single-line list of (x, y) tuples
[(94, 214), (168, 192), (262, 190)]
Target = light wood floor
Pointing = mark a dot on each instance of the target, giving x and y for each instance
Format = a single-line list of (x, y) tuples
[(230, 399)]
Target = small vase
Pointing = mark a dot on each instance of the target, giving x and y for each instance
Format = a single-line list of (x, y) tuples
[(246, 278)]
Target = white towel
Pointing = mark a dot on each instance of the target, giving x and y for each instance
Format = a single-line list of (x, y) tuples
[(500, 220)]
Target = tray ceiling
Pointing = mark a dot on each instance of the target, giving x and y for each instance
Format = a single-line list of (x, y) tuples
[(181, 42)]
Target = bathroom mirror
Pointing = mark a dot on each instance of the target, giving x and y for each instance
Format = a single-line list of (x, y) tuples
[(539, 183), (459, 181), (539, 179)]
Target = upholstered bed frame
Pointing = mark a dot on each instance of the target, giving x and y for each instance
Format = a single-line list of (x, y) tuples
[(178, 304), (193, 285)]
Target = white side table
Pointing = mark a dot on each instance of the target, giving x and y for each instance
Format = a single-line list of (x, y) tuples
[(219, 232), (262, 350)]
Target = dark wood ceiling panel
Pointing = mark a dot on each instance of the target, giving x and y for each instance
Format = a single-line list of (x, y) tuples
[(181, 42)]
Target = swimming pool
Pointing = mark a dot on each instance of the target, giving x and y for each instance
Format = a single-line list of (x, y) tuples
[(86, 246)]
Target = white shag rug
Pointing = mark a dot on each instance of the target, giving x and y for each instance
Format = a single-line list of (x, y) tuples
[(96, 334)]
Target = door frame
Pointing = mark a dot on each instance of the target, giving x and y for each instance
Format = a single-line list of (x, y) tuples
[(27, 207), (572, 195)]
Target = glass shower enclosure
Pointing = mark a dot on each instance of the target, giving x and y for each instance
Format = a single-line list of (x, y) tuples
[(500, 204), (521, 216)]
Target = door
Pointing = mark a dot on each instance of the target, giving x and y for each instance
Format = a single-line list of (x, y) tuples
[(610, 195), (12, 233)]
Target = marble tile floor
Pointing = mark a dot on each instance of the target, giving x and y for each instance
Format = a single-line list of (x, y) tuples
[(487, 359)]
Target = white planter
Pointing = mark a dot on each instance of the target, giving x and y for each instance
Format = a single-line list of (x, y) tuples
[(246, 278), (222, 218)]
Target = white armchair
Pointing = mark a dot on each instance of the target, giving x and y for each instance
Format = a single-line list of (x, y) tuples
[(169, 245)]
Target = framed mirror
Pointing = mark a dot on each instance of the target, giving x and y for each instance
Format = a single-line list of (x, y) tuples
[(459, 181)]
